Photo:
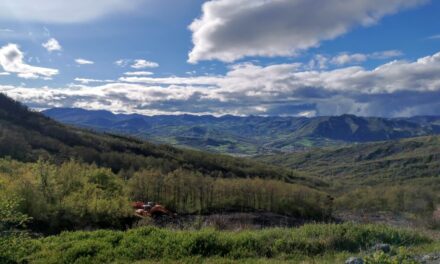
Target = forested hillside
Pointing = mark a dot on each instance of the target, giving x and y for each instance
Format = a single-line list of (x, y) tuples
[(371, 163), (399, 176), (251, 134), (28, 136), (68, 178), (75, 196)]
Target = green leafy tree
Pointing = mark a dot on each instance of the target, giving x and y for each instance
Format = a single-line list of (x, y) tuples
[(10, 216)]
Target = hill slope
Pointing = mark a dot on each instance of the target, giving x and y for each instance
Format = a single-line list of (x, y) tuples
[(72, 187), (27, 135), (398, 177), (368, 164), (253, 134)]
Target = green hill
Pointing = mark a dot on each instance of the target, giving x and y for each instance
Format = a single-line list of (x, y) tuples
[(27, 136), (372, 163), (399, 176)]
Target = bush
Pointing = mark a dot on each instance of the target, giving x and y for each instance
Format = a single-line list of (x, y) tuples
[(10, 217), (401, 257), (68, 196), (16, 247), (151, 243)]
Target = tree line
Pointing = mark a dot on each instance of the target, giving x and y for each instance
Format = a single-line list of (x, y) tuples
[(190, 192), (76, 195)]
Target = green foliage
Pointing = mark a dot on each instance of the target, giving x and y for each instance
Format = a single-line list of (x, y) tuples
[(368, 164), (75, 195), (16, 247), (72, 195), (395, 176), (400, 257), (400, 198), (188, 192), (10, 216), (160, 244)]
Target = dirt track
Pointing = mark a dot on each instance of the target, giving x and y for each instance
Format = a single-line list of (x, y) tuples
[(228, 221)]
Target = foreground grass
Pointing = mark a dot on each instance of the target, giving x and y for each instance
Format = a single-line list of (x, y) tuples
[(309, 244)]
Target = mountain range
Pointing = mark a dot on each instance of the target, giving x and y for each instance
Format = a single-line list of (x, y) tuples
[(250, 135)]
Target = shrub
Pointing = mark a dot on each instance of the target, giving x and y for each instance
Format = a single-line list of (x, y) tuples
[(151, 243)]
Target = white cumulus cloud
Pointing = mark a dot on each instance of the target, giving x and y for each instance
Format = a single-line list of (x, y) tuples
[(84, 61), (143, 64), (346, 58), (232, 29), (52, 45), (122, 62), (12, 61)]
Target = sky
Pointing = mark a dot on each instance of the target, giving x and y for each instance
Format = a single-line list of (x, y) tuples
[(218, 57)]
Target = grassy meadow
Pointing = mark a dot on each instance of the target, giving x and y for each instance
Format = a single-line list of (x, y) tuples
[(313, 243)]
